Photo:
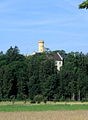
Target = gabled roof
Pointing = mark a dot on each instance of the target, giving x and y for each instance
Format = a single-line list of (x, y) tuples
[(56, 56)]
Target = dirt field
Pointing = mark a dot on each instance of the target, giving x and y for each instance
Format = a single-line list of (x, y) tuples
[(49, 115)]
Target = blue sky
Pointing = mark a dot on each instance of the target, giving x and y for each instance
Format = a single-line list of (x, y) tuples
[(58, 22)]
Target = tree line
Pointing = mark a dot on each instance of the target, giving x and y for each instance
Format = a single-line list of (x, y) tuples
[(36, 76)]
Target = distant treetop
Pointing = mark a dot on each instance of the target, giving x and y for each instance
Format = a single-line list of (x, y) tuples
[(84, 5)]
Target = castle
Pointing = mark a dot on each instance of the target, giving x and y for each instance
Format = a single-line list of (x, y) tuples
[(57, 57)]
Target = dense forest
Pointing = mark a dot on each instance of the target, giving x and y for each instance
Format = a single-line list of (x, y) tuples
[(36, 76)]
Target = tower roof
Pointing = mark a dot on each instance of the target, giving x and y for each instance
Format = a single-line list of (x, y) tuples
[(40, 41)]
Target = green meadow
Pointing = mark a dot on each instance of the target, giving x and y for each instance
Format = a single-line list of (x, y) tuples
[(57, 107)]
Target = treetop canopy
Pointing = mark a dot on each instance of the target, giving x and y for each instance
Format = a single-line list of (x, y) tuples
[(84, 5)]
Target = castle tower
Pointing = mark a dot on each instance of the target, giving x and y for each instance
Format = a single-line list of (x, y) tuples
[(41, 46)]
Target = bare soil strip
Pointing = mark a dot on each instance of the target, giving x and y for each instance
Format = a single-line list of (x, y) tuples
[(48, 115)]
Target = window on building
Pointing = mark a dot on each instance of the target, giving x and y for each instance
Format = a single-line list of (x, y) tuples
[(60, 63)]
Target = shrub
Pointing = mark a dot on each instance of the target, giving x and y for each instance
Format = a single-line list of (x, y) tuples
[(38, 98), (33, 101), (12, 99), (56, 98), (45, 100), (25, 98)]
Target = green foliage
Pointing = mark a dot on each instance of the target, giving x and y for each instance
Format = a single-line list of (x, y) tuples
[(12, 99), (84, 5), (33, 101), (36, 75), (56, 98), (25, 99), (38, 98), (45, 100)]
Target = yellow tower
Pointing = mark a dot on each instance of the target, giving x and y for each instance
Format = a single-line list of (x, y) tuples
[(41, 46)]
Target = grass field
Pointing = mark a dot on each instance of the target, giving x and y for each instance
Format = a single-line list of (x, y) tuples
[(47, 107)]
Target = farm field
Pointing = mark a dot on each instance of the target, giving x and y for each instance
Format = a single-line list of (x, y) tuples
[(45, 115), (49, 111)]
